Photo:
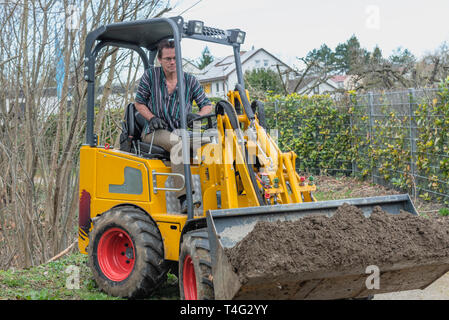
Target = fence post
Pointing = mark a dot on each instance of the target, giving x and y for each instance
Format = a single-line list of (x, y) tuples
[(412, 124), (276, 109), (351, 124), (371, 125)]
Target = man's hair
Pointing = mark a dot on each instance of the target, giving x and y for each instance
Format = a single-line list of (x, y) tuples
[(166, 43)]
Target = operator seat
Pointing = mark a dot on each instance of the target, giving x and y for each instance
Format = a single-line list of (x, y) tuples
[(130, 139)]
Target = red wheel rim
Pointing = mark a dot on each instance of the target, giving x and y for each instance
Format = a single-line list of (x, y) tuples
[(116, 254), (189, 279)]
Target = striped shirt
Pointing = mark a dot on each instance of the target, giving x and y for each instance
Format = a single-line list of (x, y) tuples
[(153, 93)]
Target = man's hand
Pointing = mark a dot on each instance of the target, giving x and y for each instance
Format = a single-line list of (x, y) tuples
[(192, 117), (205, 110), (156, 123)]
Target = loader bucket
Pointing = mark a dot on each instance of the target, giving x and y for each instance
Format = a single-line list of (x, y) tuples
[(227, 227)]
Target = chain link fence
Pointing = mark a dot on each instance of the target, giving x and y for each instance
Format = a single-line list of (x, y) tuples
[(406, 145), (399, 139)]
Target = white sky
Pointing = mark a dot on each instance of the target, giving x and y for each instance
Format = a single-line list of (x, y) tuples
[(289, 28)]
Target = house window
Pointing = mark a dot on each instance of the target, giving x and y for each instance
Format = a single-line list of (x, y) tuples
[(217, 86), (257, 62), (265, 63), (206, 87)]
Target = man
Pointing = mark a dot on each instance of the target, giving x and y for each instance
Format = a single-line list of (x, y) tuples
[(157, 101)]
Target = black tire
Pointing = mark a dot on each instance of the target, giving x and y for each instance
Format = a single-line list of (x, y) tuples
[(145, 268), (195, 257)]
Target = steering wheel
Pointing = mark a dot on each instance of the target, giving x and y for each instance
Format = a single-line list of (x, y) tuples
[(209, 121)]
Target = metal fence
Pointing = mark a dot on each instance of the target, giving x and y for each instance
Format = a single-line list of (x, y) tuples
[(399, 139), (401, 154)]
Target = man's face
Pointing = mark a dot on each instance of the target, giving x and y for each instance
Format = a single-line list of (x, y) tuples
[(167, 60)]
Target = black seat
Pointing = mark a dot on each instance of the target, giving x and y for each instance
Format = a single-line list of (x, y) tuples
[(130, 139)]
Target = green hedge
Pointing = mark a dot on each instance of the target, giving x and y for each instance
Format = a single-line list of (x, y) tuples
[(315, 128), (432, 158)]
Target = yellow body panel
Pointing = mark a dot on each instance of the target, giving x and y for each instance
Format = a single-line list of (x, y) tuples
[(170, 226), (110, 173)]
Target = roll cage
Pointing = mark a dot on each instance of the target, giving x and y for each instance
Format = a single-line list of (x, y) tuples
[(143, 36)]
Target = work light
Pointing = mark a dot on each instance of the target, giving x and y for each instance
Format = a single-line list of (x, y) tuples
[(195, 27), (236, 36)]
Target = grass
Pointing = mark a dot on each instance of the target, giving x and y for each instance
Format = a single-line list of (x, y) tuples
[(332, 188), (327, 190), (53, 281)]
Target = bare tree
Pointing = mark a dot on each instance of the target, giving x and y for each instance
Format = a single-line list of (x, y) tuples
[(433, 67), (40, 135), (311, 75)]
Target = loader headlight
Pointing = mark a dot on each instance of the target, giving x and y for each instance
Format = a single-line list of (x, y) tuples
[(195, 27), (240, 37), (237, 36)]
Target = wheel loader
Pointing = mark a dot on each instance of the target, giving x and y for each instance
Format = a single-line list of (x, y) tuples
[(130, 224)]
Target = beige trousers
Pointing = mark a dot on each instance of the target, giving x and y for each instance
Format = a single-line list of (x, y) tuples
[(171, 142)]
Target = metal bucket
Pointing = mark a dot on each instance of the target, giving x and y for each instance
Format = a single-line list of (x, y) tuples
[(229, 226)]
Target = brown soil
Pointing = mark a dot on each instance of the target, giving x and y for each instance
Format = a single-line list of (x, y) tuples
[(347, 240)]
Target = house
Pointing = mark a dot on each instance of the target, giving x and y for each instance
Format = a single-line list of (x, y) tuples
[(220, 76), (339, 81), (190, 67), (315, 85), (312, 85), (345, 82)]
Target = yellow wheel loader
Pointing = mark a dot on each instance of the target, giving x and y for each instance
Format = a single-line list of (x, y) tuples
[(130, 224)]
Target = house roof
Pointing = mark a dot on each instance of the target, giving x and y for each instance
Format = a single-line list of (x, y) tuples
[(291, 84), (308, 82), (222, 68), (339, 78)]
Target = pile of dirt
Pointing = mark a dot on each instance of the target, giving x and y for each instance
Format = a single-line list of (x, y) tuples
[(347, 240)]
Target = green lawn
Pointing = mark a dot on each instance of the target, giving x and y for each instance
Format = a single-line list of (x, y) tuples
[(53, 281)]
